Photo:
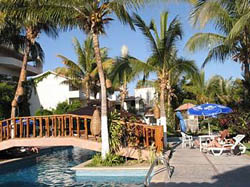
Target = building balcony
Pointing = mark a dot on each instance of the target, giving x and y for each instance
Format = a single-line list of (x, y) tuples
[(11, 63)]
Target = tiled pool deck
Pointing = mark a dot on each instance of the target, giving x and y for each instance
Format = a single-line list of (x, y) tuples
[(193, 168)]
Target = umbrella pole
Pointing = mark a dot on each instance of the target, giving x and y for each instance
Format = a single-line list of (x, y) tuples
[(209, 132)]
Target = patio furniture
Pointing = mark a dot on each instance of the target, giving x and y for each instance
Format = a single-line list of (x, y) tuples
[(203, 139), (186, 139), (217, 151)]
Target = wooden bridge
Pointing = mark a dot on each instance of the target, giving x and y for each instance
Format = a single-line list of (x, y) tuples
[(72, 130)]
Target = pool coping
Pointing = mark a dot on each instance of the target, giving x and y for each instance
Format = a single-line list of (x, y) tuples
[(81, 167)]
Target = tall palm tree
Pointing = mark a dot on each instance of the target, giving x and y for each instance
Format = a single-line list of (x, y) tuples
[(92, 16), (19, 12), (231, 19), (83, 73), (163, 60), (122, 73)]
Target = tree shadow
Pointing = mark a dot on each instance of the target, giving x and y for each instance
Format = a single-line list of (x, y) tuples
[(239, 177)]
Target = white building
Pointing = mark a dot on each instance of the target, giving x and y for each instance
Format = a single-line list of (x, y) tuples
[(50, 91), (11, 63), (147, 94)]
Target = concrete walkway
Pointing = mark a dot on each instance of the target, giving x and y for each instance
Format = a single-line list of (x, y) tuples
[(193, 168)]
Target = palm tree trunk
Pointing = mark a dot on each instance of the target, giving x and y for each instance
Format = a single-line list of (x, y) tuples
[(123, 95), (104, 118), (169, 95), (87, 91), (22, 78), (169, 103), (163, 112)]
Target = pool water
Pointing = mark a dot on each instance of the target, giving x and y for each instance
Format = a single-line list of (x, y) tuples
[(53, 169)]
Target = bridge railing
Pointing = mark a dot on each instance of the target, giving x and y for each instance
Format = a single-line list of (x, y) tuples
[(72, 126), (40, 126)]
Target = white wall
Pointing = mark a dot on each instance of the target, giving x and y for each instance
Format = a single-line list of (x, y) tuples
[(49, 92), (145, 93)]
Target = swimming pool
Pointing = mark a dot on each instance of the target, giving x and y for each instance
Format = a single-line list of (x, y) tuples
[(53, 169)]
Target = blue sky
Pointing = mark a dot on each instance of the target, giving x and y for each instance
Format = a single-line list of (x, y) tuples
[(118, 35)]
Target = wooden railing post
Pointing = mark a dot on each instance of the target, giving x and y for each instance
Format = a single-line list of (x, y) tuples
[(77, 126), (27, 127), (47, 126), (41, 127), (63, 122), (70, 125), (15, 127), (1, 131), (34, 127), (59, 126), (8, 129), (54, 126), (21, 127), (86, 127)]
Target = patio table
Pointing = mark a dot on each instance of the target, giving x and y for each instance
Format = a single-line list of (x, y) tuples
[(204, 138)]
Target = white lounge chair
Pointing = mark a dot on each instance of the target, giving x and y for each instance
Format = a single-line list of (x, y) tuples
[(186, 139), (217, 151)]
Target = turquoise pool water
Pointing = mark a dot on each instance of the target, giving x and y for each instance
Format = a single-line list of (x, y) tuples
[(53, 169)]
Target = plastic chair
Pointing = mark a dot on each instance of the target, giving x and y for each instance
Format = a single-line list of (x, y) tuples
[(186, 139)]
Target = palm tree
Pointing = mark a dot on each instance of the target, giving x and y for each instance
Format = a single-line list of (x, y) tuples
[(18, 11), (164, 60), (204, 91), (122, 74), (231, 19), (83, 73), (91, 16)]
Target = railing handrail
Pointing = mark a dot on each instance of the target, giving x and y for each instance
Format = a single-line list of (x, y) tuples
[(157, 159), (45, 116)]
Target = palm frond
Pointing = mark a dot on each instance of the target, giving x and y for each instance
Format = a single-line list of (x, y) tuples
[(146, 32), (203, 41), (219, 53), (72, 66), (239, 26)]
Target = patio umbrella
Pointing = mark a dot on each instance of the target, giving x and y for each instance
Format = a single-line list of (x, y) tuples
[(185, 106), (209, 110)]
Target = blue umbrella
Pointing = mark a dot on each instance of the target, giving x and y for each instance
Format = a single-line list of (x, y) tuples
[(210, 110)]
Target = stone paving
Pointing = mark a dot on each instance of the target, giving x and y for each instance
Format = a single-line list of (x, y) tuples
[(193, 168)]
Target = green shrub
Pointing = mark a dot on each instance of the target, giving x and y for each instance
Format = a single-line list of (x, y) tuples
[(43, 112), (237, 123), (65, 107), (117, 131), (6, 96), (111, 160)]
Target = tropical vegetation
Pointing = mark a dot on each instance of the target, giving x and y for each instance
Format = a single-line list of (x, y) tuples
[(178, 79), (231, 20), (83, 74), (32, 26), (91, 16), (163, 59)]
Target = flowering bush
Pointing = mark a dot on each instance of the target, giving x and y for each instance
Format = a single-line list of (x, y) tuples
[(238, 123)]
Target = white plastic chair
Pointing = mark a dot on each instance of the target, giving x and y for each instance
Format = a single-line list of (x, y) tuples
[(186, 139), (217, 151)]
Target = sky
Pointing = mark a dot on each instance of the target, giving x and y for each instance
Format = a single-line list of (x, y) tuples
[(119, 35)]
